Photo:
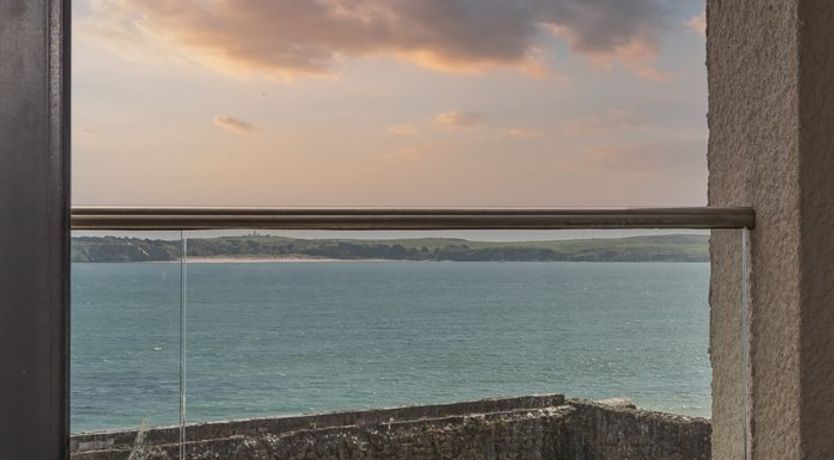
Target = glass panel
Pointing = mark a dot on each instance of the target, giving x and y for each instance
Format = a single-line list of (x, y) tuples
[(729, 311), (303, 322), (125, 333), (316, 322)]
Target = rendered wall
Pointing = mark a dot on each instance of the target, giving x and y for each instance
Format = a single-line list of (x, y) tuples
[(771, 120)]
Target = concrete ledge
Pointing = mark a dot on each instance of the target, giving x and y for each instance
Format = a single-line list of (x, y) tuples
[(527, 427)]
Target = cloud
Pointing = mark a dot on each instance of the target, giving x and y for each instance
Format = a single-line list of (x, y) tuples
[(424, 151), (520, 133), (454, 119), (698, 23), (677, 158), (403, 129), (612, 120), (234, 125), (288, 38)]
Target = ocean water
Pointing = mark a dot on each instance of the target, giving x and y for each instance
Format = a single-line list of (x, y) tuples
[(288, 338)]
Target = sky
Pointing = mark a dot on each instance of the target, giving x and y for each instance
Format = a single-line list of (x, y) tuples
[(480, 103)]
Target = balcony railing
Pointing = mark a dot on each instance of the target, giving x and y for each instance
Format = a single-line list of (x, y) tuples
[(334, 334), (103, 218)]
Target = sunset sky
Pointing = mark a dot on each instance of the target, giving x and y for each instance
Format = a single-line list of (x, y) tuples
[(550, 103)]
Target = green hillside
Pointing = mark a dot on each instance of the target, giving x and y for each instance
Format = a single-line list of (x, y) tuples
[(667, 248)]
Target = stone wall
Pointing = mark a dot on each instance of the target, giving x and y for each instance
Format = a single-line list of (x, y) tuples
[(600, 431), (539, 427)]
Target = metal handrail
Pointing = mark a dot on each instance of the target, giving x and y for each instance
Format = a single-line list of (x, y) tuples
[(102, 218)]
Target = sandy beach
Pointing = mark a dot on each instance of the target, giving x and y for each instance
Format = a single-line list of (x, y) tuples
[(268, 260)]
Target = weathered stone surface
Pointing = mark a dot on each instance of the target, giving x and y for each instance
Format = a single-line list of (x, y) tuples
[(257, 426), (543, 427), (605, 431)]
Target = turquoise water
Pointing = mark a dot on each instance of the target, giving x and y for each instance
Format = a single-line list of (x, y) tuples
[(288, 338)]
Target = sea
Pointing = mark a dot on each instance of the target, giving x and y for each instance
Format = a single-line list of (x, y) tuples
[(277, 339)]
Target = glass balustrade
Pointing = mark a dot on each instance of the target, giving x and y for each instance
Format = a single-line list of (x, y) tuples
[(275, 325)]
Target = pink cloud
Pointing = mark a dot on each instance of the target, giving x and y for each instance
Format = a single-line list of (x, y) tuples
[(520, 133), (234, 125), (287, 38), (403, 129), (611, 120), (455, 119), (676, 158), (698, 23)]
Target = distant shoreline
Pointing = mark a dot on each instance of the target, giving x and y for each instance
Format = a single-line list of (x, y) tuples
[(274, 249), (295, 260), (262, 260)]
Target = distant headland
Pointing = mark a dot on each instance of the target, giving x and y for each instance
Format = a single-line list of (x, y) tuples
[(655, 248)]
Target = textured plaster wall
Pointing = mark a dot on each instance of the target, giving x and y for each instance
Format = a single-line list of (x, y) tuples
[(771, 120), (725, 344)]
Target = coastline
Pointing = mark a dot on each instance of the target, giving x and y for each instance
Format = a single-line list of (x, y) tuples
[(258, 249), (292, 260), (261, 260)]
